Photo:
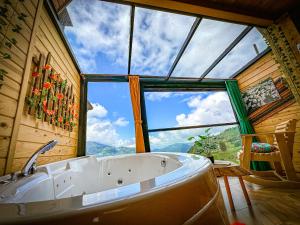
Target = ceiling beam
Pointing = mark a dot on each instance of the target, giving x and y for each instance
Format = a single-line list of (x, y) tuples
[(226, 51), (185, 44), (132, 11), (197, 10)]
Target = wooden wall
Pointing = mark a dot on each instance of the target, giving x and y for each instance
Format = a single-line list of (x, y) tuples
[(22, 134), (262, 69)]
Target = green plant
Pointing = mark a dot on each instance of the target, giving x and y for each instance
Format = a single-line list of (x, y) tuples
[(8, 13), (222, 146), (204, 144)]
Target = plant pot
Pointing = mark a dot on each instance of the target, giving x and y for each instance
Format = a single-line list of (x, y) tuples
[(211, 159)]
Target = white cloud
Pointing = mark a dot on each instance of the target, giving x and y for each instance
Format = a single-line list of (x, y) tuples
[(210, 40), (211, 109), (215, 108), (98, 111), (157, 96), (99, 27), (102, 29), (158, 37), (103, 130), (121, 122)]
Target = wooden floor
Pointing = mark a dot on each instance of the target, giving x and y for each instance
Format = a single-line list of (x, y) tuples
[(270, 206)]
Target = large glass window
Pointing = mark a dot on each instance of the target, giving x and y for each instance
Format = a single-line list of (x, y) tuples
[(178, 109), (99, 35), (175, 117), (110, 125), (225, 139)]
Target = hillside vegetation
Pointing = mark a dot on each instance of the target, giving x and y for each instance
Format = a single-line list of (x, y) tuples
[(229, 143)]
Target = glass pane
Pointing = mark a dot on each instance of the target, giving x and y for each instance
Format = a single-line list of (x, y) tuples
[(99, 35), (225, 142), (157, 38), (240, 55), (177, 109), (110, 124), (210, 40)]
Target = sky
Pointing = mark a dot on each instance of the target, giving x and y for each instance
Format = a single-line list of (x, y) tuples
[(99, 39)]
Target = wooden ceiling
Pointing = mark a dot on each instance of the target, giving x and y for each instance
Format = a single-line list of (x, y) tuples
[(268, 9), (255, 12)]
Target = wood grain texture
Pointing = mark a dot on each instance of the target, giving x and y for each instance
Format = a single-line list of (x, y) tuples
[(21, 134), (270, 206), (34, 132), (261, 70)]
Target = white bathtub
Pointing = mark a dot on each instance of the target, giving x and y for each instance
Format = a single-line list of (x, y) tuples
[(130, 189)]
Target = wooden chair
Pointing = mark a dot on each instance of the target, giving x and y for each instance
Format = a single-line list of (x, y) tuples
[(283, 173)]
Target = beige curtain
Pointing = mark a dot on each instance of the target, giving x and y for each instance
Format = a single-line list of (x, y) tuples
[(134, 85)]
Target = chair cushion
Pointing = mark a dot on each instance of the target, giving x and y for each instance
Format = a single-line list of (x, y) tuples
[(262, 147)]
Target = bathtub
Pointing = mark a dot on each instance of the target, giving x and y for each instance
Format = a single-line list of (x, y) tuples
[(148, 188)]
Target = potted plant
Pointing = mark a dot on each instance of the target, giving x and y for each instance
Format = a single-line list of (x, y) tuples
[(204, 145)]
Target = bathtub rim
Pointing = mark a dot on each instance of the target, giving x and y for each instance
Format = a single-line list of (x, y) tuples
[(107, 205)]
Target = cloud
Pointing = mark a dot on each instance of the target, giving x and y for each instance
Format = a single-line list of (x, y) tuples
[(100, 34), (215, 108), (121, 122), (98, 111), (101, 129), (99, 28), (158, 96), (209, 41), (240, 55), (204, 109), (158, 36)]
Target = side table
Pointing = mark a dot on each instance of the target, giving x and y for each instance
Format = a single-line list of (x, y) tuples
[(227, 169)]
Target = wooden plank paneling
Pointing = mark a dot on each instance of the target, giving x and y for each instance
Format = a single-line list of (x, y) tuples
[(21, 98), (22, 134), (6, 125), (10, 88), (4, 144), (40, 136), (261, 70), (26, 149), (18, 163), (8, 106), (2, 165), (32, 122)]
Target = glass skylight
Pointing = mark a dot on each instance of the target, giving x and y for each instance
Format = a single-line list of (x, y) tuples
[(157, 38), (240, 55), (210, 40), (99, 36)]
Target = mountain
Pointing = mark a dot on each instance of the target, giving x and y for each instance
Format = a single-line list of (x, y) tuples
[(178, 147), (95, 148), (230, 137)]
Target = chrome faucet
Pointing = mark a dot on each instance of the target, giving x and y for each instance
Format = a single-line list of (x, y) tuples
[(30, 166)]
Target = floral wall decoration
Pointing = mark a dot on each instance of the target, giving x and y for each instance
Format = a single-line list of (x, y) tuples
[(265, 111), (261, 94), (50, 97), (11, 19)]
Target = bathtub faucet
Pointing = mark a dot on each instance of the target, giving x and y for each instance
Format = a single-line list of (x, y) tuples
[(30, 166)]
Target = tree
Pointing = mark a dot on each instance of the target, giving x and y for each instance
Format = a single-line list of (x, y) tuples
[(222, 146)]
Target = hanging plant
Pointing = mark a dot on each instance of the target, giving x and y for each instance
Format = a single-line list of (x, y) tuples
[(51, 99), (6, 24)]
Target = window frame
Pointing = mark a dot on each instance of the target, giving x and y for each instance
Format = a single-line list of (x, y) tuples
[(148, 84)]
